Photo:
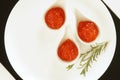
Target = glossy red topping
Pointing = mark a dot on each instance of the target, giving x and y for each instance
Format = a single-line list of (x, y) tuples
[(87, 31), (55, 18), (67, 51)]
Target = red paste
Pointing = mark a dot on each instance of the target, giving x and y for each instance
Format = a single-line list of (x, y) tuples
[(87, 31), (67, 51), (55, 17)]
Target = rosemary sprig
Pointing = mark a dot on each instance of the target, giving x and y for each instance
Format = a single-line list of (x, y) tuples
[(94, 52), (88, 57)]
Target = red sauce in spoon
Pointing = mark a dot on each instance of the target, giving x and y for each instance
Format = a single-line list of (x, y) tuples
[(55, 18), (87, 31), (67, 51)]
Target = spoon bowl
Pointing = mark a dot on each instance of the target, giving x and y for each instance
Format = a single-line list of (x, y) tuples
[(86, 22)]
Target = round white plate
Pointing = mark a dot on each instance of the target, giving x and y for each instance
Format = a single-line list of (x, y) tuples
[(32, 47)]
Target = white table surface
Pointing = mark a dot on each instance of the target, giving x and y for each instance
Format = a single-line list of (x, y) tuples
[(113, 4), (4, 74)]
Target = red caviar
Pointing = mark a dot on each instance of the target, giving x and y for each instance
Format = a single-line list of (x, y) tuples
[(87, 31), (67, 51), (55, 18)]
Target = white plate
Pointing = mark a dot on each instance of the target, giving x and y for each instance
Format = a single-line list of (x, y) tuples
[(31, 46)]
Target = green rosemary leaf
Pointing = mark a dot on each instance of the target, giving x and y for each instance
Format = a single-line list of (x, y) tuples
[(83, 72), (94, 58), (84, 56), (69, 66)]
